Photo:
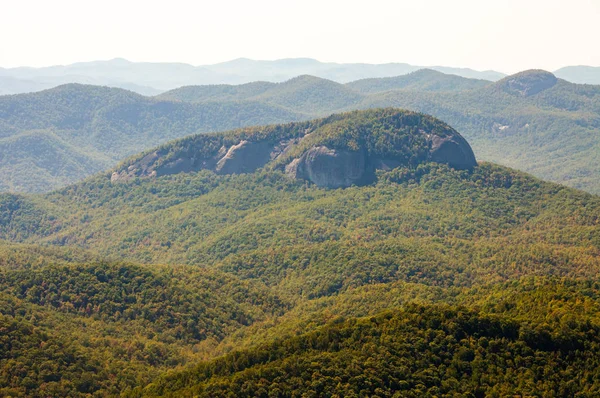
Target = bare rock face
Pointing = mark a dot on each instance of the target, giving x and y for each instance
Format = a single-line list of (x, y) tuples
[(329, 167), (245, 157), (143, 167), (454, 151), (332, 168), (336, 165)]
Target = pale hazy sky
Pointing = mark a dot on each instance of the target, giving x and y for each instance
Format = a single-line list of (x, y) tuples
[(507, 35)]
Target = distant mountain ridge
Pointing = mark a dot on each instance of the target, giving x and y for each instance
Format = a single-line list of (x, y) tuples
[(152, 78), (580, 74), (149, 78)]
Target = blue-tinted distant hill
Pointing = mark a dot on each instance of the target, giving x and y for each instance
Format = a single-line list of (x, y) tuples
[(150, 78), (580, 74)]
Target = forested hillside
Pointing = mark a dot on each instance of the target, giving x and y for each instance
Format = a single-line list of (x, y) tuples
[(70, 328), (59, 136), (421, 80), (427, 280), (421, 351), (551, 131)]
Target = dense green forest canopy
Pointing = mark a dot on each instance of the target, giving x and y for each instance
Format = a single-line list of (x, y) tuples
[(427, 281), (422, 351), (71, 325)]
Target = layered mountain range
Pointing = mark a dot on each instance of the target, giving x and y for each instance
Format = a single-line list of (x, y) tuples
[(531, 121), (149, 78)]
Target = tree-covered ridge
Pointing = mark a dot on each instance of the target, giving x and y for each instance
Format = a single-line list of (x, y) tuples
[(421, 80), (310, 94), (59, 136), (316, 96), (42, 160), (431, 224), (217, 92), (190, 305), (271, 261), (551, 134), (419, 351), (71, 328), (25, 348), (266, 277), (530, 299), (304, 93), (22, 216)]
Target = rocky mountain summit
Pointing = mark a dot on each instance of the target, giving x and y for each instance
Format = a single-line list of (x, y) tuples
[(334, 152)]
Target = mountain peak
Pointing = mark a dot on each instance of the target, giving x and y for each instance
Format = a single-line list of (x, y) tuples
[(335, 152), (528, 83)]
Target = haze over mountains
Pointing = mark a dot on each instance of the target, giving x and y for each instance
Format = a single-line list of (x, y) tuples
[(152, 78), (580, 74), (148, 78), (295, 228)]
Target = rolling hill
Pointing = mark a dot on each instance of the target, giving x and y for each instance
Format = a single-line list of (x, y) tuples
[(73, 329), (420, 351), (189, 270), (530, 121), (62, 135), (421, 80), (580, 74)]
